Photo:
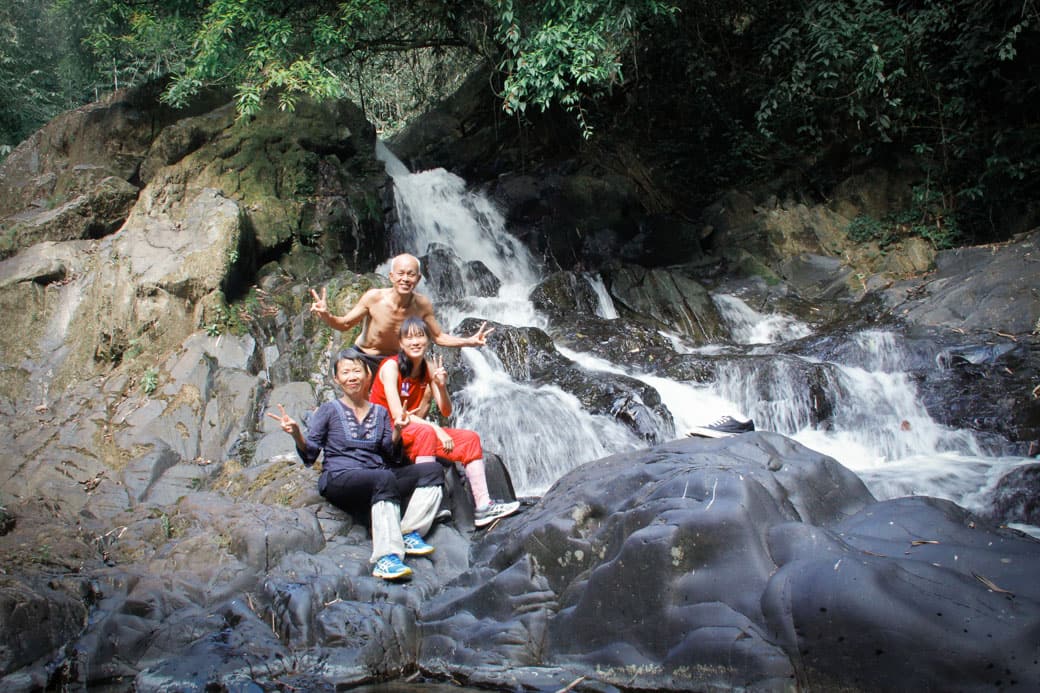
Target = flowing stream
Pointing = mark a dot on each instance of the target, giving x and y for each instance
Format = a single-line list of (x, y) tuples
[(879, 427)]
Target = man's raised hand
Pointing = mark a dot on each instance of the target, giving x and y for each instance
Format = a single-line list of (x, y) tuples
[(479, 338), (320, 306)]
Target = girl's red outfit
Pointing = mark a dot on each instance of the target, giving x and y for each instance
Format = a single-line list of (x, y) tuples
[(421, 440)]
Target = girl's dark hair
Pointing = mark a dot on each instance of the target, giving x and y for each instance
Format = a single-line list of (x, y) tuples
[(404, 364), (351, 353)]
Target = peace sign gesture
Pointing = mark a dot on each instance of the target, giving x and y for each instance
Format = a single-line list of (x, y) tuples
[(287, 422), (405, 418), (479, 338), (320, 306), (435, 364)]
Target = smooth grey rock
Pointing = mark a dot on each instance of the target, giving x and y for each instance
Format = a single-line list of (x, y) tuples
[(35, 621), (142, 473), (670, 298), (275, 446), (230, 411), (227, 649), (299, 401), (563, 295), (993, 287), (228, 350), (816, 276), (1017, 496), (44, 263)]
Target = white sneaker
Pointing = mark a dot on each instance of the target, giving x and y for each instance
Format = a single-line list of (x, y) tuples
[(494, 510)]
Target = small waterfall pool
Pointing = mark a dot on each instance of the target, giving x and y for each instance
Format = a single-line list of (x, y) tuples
[(879, 428)]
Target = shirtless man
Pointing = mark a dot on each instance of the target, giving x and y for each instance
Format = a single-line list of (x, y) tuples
[(383, 311)]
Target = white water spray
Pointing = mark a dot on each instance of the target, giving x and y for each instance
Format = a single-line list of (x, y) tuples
[(604, 303), (748, 326), (876, 424)]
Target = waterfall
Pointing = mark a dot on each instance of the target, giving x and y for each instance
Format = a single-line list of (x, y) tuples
[(864, 411), (748, 326), (541, 431), (604, 304)]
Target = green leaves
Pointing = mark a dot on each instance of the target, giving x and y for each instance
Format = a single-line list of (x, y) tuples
[(929, 77), (567, 53)]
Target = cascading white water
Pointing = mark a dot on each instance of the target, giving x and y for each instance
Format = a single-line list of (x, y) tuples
[(604, 304), (541, 431), (877, 427), (748, 326)]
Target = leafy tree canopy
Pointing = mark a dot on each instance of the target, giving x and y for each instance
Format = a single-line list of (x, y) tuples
[(740, 85), (956, 83)]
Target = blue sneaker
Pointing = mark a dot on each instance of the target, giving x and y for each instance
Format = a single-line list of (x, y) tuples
[(390, 567), (415, 546)]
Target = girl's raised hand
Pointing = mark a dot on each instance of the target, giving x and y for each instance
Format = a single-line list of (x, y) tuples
[(439, 375), (406, 417)]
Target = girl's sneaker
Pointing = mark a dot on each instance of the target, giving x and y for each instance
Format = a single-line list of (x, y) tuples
[(415, 546), (390, 567), (494, 510)]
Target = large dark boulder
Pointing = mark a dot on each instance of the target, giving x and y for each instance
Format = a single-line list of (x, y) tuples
[(1017, 496), (670, 299), (746, 563), (78, 176)]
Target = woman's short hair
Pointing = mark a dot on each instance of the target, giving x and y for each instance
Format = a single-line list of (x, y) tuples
[(350, 353)]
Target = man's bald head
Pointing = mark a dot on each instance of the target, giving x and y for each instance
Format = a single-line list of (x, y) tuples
[(405, 261)]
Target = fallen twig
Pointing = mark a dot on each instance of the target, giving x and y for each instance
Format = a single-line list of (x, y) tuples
[(990, 585), (570, 686)]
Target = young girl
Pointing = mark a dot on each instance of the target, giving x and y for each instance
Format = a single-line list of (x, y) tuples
[(401, 386), (357, 438)]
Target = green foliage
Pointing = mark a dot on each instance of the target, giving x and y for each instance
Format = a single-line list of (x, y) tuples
[(865, 228), (256, 46), (952, 82), (237, 317), (561, 52), (32, 89), (926, 218), (150, 381), (743, 88)]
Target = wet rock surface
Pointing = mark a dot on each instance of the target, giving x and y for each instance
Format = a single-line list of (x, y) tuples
[(1016, 497), (749, 562), (157, 532)]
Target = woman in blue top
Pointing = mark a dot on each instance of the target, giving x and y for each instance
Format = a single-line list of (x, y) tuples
[(357, 438)]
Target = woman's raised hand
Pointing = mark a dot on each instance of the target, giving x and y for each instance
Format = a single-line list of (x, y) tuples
[(287, 422)]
